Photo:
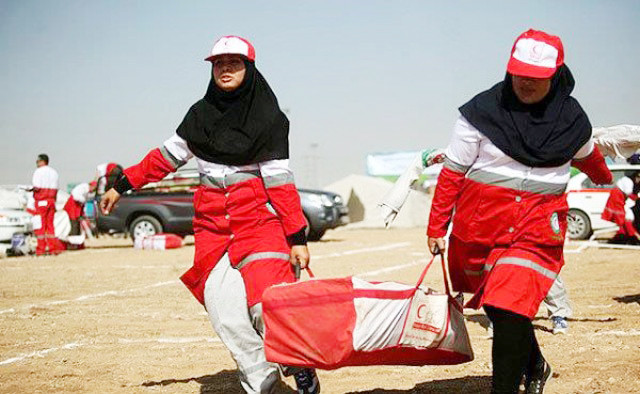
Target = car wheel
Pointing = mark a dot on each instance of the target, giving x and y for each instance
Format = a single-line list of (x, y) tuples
[(315, 235), (311, 233), (578, 224), (144, 225)]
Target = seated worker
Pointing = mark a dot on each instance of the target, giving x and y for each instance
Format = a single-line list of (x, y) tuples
[(614, 211)]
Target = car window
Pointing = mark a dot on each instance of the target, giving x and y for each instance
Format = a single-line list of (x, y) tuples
[(617, 174)]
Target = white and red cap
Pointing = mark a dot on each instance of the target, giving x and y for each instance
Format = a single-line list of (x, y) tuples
[(535, 54), (232, 45)]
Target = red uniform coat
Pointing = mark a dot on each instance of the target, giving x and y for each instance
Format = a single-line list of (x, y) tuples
[(614, 210), (509, 223), (245, 211)]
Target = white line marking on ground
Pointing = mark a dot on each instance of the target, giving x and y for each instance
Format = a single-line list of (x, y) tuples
[(632, 332), (133, 266), (365, 250), (393, 268), (170, 340), (74, 345), (114, 292), (92, 296), (52, 267), (40, 353)]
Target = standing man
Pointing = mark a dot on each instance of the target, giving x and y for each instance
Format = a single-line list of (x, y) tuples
[(45, 191)]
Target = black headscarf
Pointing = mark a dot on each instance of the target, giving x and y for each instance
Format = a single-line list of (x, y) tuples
[(545, 134), (244, 126)]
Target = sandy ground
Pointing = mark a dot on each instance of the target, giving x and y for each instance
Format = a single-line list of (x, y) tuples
[(114, 319)]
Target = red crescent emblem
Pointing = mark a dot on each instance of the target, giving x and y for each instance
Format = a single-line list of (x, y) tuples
[(420, 308)]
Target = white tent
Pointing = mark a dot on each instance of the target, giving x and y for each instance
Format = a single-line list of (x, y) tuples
[(363, 194)]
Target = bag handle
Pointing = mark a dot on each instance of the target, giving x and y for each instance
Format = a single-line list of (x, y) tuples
[(444, 272), (445, 276), (297, 271)]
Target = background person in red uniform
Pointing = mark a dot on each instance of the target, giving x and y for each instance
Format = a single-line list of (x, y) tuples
[(75, 208), (505, 172), (247, 210), (45, 191), (106, 176), (614, 210)]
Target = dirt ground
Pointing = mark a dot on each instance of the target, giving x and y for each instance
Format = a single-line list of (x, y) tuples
[(113, 319)]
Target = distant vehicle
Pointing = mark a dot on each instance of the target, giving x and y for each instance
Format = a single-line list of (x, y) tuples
[(587, 201), (13, 221), (167, 206)]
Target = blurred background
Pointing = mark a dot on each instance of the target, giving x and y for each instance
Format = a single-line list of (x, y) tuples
[(107, 81)]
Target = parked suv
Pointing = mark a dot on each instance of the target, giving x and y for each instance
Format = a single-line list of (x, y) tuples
[(167, 206), (587, 200)]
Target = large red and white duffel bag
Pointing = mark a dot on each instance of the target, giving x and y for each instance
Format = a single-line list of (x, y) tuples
[(333, 323), (158, 242)]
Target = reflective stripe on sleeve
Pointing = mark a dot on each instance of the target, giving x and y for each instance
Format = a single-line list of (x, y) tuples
[(262, 256), (175, 162), (452, 165)]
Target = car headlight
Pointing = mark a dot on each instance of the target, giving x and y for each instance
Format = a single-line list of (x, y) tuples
[(11, 220), (321, 199), (326, 200)]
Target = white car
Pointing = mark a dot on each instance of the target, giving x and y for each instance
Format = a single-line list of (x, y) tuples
[(587, 201), (13, 221)]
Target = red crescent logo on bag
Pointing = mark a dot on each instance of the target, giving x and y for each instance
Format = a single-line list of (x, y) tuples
[(419, 309)]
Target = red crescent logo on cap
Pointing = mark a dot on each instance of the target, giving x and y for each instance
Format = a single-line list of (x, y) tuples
[(536, 52)]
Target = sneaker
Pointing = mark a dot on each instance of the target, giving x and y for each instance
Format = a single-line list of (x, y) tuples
[(535, 384), (560, 325), (307, 381)]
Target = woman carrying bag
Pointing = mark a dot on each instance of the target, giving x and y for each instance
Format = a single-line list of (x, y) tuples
[(505, 173), (248, 223)]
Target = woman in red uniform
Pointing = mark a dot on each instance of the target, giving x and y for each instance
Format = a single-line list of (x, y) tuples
[(505, 173), (614, 210), (247, 209)]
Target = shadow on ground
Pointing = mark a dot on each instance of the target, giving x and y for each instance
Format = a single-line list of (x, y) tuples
[(329, 240), (483, 320), (223, 382), (465, 385), (628, 299), (226, 382), (479, 318)]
